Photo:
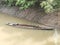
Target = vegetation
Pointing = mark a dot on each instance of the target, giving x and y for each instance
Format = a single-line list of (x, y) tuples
[(47, 5), (23, 4), (50, 5)]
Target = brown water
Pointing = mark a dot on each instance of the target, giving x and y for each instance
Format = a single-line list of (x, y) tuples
[(19, 36)]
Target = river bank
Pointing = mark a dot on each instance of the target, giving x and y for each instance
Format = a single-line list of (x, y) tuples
[(32, 14)]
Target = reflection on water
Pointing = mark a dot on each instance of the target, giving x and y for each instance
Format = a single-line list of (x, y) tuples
[(18, 36), (55, 36)]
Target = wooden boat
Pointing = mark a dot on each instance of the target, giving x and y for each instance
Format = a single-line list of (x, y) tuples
[(30, 26)]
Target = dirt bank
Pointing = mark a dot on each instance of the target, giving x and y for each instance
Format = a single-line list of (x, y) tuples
[(32, 14)]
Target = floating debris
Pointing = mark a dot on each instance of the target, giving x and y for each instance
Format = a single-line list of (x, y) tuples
[(30, 26)]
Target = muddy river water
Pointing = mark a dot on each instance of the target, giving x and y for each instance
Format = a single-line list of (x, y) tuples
[(19, 36)]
